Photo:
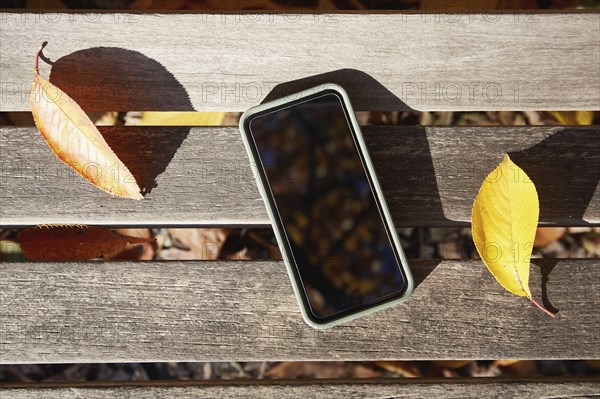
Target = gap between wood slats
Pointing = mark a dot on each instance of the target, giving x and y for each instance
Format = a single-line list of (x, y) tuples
[(201, 176)]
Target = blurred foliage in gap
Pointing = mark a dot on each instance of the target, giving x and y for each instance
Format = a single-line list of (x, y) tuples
[(290, 5), (290, 370)]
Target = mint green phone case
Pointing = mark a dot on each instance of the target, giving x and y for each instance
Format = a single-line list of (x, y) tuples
[(280, 235)]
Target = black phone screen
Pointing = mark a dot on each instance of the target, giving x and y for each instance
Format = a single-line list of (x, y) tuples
[(322, 195)]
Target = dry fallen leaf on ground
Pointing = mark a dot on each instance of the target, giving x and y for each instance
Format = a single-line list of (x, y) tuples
[(134, 252), (504, 221), (547, 235), (69, 243), (76, 141)]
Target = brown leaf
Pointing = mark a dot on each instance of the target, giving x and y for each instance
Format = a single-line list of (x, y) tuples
[(75, 140), (547, 235), (517, 368), (69, 243), (135, 252)]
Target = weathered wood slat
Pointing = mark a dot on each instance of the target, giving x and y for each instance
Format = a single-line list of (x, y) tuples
[(245, 310), (230, 62), (201, 176), (481, 388)]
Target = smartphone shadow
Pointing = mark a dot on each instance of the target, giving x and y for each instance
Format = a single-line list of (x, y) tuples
[(118, 79), (365, 92), (422, 268), (401, 155)]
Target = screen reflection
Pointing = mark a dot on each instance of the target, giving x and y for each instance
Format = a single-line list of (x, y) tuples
[(335, 232)]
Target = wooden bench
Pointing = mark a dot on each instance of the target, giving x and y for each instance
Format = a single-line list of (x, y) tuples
[(200, 176)]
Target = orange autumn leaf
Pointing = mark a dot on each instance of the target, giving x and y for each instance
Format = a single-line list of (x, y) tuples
[(69, 243), (134, 252), (75, 140)]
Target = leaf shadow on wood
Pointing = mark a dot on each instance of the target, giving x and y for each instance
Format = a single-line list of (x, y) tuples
[(118, 79), (145, 150), (402, 161), (546, 266), (565, 168)]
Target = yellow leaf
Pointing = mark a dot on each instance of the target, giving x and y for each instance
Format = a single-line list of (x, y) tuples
[(504, 221), (182, 118), (573, 117), (75, 140)]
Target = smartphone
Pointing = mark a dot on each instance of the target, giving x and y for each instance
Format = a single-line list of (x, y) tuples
[(328, 213)]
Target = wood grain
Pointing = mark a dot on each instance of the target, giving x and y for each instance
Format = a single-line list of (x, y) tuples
[(245, 310), (481, 388), (201, 176), (229, 62)]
